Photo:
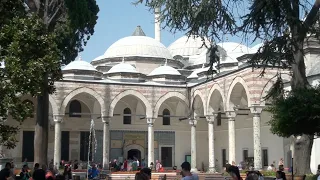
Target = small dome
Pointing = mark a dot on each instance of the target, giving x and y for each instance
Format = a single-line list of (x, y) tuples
[(188, 46), (232, 47), (122, 68), (79, 64), (255, 48), (195, 73), (98, 58), (137, 45), (164, 70), (232, 51)]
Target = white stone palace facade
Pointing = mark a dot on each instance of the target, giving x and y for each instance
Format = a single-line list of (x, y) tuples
[(158, 103)]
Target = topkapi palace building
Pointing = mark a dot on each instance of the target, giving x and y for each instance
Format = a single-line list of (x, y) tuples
[(158, 103)]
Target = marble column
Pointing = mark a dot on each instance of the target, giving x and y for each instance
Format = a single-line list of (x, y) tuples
[(106, 142), (150, 122), (256, 112), (193, 124), (232, 136), (57, 139), (212, 165)]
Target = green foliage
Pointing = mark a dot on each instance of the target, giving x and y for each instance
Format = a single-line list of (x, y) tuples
[(268, 173), (29, 52), (311, 177), (296, 114), (35, 39)]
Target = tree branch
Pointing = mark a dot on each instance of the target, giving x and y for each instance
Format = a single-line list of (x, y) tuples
[(54, 14), (53, 2)]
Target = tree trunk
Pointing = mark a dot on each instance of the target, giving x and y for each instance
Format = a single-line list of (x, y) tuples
[(302, 155), (42, 126), (303, 144)]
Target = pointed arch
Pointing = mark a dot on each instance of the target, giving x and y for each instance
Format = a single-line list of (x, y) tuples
[(168, 95), (215, 88), (237, 80), (198, 93), (86, 90), (135, 93)]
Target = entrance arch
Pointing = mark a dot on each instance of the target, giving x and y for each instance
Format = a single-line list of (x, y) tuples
[(134, 148), (134, 153)]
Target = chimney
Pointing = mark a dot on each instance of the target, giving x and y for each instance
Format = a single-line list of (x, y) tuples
[(157, 24)]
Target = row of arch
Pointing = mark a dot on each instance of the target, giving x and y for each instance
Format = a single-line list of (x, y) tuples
[(216, 99)]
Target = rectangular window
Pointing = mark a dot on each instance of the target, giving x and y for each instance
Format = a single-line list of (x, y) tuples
[(224, 157), (245, 154), (27, 146), (65, 141), (265, 157), (166, 156), (219, 117), (84, 146)]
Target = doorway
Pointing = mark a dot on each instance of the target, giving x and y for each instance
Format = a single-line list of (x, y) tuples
[(27, 146), (166, 156), (134, 153)]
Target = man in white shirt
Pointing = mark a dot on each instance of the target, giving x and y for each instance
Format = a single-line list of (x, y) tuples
[(186, 174)]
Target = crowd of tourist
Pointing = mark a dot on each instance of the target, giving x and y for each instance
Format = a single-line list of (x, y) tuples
[(144, 173)]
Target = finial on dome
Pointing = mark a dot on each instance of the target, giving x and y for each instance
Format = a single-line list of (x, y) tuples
[(166, 62), (122, 59)]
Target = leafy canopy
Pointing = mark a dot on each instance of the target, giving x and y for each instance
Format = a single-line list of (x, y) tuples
[(36, 38), (296, 114)]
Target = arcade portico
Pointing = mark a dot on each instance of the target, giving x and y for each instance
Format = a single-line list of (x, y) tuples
[(159, 103)]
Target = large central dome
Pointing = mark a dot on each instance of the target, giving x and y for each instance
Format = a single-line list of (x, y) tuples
[(138, 45)]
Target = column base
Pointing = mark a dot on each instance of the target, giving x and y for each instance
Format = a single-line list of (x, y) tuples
[(257, 169), (194, 170), (212, 170)]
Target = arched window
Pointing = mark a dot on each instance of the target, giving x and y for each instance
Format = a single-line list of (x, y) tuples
[(166, 117), (74, 108), (219, 117), (31, 105), (126, 116)]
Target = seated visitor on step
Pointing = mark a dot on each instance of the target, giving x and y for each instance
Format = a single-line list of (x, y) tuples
[(67, 174), (25, 175), (93, 172)]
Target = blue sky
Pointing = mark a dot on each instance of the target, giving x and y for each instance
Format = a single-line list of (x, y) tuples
[(118, 19)]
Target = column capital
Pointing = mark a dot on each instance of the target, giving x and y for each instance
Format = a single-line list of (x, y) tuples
[(193, 122), (256, 109), (58, 118), (150, 121), (231, 114), (210, 119), (106, 119)]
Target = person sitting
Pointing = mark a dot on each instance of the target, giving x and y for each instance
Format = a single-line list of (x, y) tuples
[(25, 175), (93, 172), (67, 172)]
